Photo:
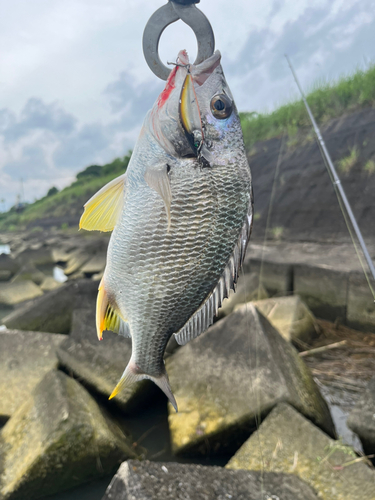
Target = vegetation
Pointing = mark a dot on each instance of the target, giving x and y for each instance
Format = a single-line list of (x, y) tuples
[(327, 100), (69, 201), (347, 163), (370, 167)]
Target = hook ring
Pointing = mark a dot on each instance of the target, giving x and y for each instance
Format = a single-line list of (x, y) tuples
[(163, 17)]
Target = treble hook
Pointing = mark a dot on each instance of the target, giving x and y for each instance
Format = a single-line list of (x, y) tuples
[(168, 14)]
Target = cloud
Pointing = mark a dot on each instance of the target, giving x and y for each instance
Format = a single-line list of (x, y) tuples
[(82, 147), (66, 51), (323, 43), (36, 115), (131, 100)]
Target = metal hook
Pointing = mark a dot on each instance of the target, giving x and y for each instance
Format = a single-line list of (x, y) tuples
[(163, 17)]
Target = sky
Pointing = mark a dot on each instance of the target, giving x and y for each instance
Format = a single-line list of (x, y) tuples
[(74, 86)]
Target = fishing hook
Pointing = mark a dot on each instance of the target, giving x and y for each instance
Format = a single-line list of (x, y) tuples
[(168, 14)]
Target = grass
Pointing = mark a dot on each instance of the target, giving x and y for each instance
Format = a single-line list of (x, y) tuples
[(346, 164), (370, 167), (326, 100), (67, 202)]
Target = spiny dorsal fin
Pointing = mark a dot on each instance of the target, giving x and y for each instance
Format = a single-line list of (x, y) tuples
[(103, 209), (107, 318), (158, 180), (204, 316)]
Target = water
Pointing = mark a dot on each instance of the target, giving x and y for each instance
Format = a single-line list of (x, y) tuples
[(58, 274), (5, 249)]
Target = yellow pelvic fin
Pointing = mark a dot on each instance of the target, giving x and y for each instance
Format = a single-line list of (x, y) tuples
[(103, 209), (158, 180), (107, 318)]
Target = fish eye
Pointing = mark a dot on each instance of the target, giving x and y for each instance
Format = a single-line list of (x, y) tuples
[(221, 106)]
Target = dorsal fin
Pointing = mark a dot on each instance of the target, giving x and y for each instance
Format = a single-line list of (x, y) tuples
[(158, 179), (103, 209), (107, 317), (204, 316)]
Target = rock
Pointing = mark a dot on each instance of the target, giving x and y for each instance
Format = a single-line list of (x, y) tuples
[(53, 312), (324, 290), (172, 481), (235, 372), (276, 277), (49, 283), (100, 364), (60, 255), (13, 293), (25, 357), (361, 306), (41, 256), (86, 253), (31, 273), (362, 418), (287, 442), (290, 316), (248, 289), (8, 266), (5, 274), (95, 265), (56, 440)]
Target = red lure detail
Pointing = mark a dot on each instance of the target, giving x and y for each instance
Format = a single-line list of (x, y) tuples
[(170, 85)]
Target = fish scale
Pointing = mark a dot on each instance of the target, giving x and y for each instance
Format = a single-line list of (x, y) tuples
[(183, 265), (181, 219)]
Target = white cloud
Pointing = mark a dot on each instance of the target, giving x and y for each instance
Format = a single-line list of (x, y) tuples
[(74, 86)]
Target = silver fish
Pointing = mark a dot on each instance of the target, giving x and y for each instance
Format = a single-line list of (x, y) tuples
[(181, 218)]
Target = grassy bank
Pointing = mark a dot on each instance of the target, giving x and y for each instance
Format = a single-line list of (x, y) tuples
[(67, 202), (327, 101)]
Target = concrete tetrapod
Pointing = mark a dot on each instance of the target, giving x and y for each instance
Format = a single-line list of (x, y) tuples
[(173, 481), (56, 440), (229, 377), (25, 357), (362, 418), (290, 316), (100, 365), (287, 442)]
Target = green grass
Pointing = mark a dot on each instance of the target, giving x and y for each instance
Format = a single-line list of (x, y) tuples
[(346, 164), (326, 100), (370, 167), (68, 201)]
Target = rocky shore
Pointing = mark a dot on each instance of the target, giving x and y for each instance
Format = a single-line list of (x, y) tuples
[(253, 395)]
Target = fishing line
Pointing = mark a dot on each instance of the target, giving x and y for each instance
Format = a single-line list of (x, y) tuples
[(255, 393), (347, 222), (257, 413), (273, 190)]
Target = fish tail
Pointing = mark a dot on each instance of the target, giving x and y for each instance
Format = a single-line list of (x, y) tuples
[(133, 374)]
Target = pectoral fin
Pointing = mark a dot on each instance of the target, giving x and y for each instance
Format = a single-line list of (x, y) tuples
[(158, 180), (107, 318), (103, 209)]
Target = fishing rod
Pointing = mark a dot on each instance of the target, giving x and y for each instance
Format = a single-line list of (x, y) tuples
[(335, 178)]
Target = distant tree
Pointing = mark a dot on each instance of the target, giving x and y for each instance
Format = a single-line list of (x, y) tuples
[(91, 171), (52, 191)]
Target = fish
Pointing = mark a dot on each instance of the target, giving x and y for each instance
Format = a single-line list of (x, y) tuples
[(181, 218)]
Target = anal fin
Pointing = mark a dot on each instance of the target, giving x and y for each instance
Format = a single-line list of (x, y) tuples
[(107, 317), (103, 209)]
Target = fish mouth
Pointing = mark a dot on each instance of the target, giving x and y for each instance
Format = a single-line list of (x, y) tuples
[(190, 116), (201, 72), (189, 112)]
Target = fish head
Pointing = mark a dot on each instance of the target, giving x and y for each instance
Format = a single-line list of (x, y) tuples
[(195, 111)]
